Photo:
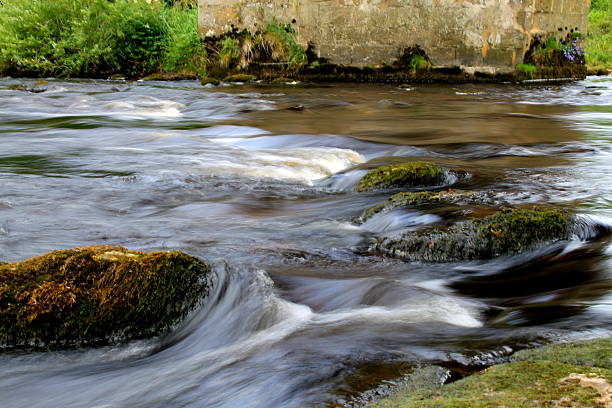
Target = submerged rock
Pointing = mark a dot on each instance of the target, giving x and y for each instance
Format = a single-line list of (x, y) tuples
[(416, 173), (505, 232), (240, 78), (211, 81), (410, 198), (96, 294)]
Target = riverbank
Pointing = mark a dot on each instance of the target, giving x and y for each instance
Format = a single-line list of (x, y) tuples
[(567, 374), (599, 39), (160, 40)]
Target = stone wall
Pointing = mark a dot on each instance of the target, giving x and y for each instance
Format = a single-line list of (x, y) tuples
[(477, 35)]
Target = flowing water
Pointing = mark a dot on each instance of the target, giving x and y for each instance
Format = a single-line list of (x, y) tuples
[(259, 179)]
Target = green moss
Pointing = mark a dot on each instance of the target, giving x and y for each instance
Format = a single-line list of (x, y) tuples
[(537, 378), (213, 81), (520, 384), (239, 78), (417, 173), (592, 353), (405, 199), (88, 295), (505, 232)]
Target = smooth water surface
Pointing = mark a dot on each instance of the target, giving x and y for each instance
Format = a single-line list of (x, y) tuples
[(260, 179)]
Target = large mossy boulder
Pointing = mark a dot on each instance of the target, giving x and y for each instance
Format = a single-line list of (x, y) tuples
[(564, 375), (502, 233), (410, 174), (415, 198), (93, 295)]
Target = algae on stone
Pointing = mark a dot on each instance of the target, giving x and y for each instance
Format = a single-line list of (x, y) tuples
[(409, 198), (502, 233), (94, 294), (416, 173)]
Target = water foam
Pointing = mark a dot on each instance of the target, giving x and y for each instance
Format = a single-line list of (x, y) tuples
[(149, 107), (304, 165)]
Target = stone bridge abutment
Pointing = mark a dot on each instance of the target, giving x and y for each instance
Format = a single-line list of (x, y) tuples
[(477, 35)]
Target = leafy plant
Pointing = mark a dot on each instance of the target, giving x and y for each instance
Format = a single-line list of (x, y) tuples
[(93, 38), (599, 39), (183, 49), (281, 43), (419, 62), (527, 68), (229, 52)]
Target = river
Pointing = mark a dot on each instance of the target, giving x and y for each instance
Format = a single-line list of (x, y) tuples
[(259, 179)]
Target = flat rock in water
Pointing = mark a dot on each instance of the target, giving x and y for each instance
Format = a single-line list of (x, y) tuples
[(502, 233), (92, 295)]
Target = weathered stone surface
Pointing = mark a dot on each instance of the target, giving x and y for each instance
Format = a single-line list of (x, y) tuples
[(479, 35), (505, 232), (91, 295)]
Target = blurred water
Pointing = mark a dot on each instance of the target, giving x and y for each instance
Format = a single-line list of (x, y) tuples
[(260, 179)]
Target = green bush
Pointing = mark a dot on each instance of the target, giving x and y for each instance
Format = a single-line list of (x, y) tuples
[(93, 38), (183, 48), (599, 39)]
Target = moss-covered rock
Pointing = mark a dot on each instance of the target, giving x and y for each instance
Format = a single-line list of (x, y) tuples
[(96, 294), (416, 173), (239, 78), (502, 233), (538, 378), (519, 384), (592, 353), (412, 198), (209, 80)]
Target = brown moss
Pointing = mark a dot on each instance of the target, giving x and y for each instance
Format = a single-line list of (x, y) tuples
[(88, 295), (416, 173)]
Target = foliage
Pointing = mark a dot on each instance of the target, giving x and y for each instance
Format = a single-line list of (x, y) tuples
[(551, 52), (527, 68), (229, 51), (183, 48), (281, 42), (90, 295), (418, 62), (276, 43), (93, 38), (599, 39)]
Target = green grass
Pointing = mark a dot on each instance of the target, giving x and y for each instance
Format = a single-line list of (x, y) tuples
[(526, 68), (98, 38), (599, 39)]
